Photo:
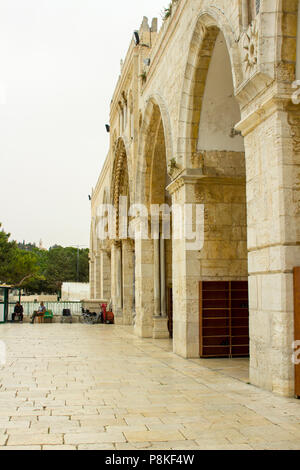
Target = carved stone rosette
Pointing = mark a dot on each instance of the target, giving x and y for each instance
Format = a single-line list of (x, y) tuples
[(249, 48)]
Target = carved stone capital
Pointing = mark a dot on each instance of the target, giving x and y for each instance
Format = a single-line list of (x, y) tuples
[(174, 168), (188, 176), (262, 111), (116, 243)]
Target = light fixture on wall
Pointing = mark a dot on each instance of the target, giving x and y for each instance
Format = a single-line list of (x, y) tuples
[(234, 132), (107, 127), (136, 38), (147, 62)]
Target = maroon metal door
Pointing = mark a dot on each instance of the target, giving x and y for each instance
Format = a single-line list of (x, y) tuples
[(297, 329), (170, 310)]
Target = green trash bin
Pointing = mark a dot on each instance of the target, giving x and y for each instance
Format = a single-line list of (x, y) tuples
[(48, 316)]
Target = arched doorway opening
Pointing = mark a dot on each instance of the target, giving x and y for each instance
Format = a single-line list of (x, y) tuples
[(122, 249), (224, 304), (154, 256), (205, 322), (161, 207)]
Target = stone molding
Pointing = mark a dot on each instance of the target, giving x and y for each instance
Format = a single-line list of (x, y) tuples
[(189, 178), (263, 112)]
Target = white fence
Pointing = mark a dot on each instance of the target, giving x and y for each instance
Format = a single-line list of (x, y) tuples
[(56, 307)]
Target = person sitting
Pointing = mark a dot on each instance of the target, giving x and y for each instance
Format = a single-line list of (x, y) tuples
[(39, 313), (102, 315), (18, 312)]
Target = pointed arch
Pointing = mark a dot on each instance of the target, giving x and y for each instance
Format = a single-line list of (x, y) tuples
[(120, 179), (206, 29), (156, 122)]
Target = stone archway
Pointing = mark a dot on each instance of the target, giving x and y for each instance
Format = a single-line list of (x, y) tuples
[(154, 255), (205, 30), (122, 248), (213, 175), (104, 260), (92, 257)]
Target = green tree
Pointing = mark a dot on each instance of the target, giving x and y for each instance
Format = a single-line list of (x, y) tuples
[(63, 264), (41, 271), (16, 266)]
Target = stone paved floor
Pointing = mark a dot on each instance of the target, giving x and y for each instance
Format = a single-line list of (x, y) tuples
[(100, 387)]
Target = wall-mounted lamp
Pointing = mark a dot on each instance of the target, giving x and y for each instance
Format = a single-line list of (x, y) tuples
[(107, 127), (90, 197), (136, 38), (147, 62), (234, 132)]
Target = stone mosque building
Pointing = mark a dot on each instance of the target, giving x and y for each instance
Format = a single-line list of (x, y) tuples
[(206, 112)]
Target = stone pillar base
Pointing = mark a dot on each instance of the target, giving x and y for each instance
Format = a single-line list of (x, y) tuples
[(143, 331), (118, 314), (127, 319), (160, 328), (118, 320)]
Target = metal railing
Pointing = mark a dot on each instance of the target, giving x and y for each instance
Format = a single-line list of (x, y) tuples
[(56, 307)]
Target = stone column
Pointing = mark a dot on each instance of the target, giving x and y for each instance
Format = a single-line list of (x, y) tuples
[(272, 141), (105, 275), (245, 13), (144, 287), (128, 277), (156, 278), (160, 330), (186, 276), (116, 278), (92, 279), (97, 279), (162, 278)]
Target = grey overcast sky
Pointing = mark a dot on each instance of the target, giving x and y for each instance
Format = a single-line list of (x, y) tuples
[(59, 64)]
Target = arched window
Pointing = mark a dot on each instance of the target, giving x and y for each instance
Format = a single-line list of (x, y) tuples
[(130, 109), (121, 118), (254, 9), (250, 9)]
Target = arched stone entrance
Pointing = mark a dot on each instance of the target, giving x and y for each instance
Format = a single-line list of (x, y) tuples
[(122, 248), (212, 175), (154, 255)]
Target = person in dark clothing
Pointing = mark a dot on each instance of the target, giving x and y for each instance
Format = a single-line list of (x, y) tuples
[(18, 312)]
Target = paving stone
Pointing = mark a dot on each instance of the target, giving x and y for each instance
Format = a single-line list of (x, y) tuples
[(62, 447), (94, 438), (87, 429), (153, 436), (53, 419), (97, 446), (32, 430), (14, 448), (16, 424), (3, 439), (134, 446), (100, 421), (34, 438)]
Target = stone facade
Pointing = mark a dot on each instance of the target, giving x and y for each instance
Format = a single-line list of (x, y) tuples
[(203, 114)]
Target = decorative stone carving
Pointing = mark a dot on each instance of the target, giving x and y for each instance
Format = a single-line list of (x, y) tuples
[(173, 168), (294, 122), (203, 30), (197, 160), (176, 185), (249, 44)]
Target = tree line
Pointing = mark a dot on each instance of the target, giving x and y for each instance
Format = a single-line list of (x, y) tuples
[(39, 271)]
